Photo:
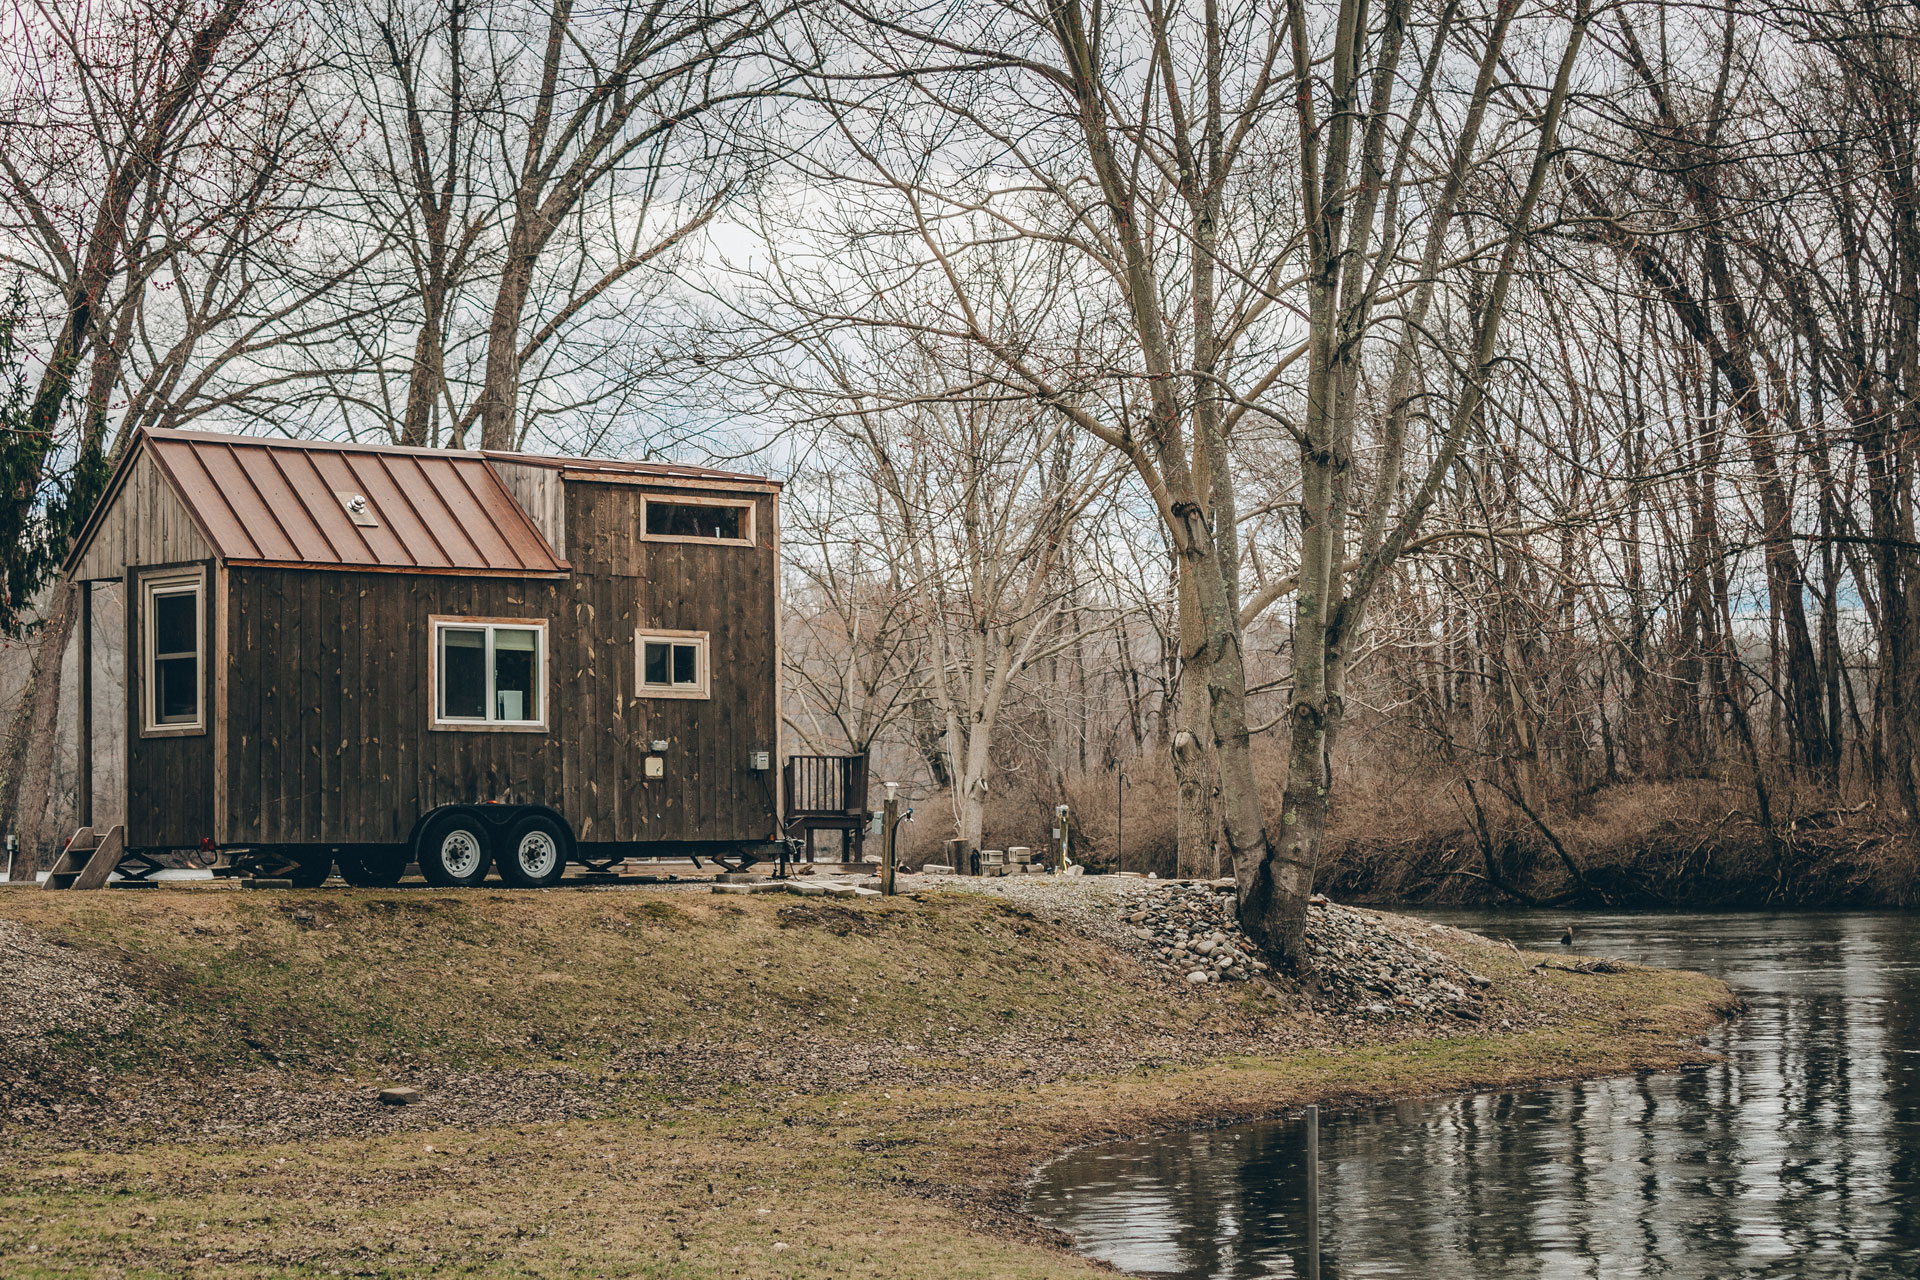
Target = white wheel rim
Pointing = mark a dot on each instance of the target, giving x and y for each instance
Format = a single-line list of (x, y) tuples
[(537, 854), (460, 853)]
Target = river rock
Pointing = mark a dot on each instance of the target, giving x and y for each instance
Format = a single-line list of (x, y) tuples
[(1362, 966)]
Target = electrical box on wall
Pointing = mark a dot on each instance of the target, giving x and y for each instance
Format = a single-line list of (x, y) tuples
[(656, 767), (759, 761)]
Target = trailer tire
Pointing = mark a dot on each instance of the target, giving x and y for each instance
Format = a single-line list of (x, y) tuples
[(534, 854), (455, 852), (372, 870), (311, 873)]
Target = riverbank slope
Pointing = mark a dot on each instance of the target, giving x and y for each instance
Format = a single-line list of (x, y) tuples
[(657, 1083)]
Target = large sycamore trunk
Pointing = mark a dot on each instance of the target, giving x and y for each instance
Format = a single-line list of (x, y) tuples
[(1196, 848), (30, 741)]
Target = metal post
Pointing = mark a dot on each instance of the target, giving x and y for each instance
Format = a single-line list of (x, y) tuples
[(1119, 819), (1313, 1193), (889, 821)]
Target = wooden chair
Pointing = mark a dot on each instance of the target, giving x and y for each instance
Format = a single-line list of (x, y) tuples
[(827, 793)]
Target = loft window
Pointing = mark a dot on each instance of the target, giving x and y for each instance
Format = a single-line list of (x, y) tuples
[(489, 674), (175, 635), (673, 664), (698, 520)]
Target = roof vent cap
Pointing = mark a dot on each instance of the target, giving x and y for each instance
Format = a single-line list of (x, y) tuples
[(357, 508)]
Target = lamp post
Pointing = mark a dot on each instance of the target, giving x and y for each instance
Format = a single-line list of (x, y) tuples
[(889, 821)]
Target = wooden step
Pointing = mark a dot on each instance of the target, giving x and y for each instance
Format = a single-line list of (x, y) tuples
[(89, 859)]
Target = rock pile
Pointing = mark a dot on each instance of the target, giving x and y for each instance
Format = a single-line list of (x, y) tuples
[(1362, 964), (1191, 929), (1370, 968)]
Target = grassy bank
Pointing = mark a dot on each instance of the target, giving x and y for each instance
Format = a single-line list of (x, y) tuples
[(668, 1084)]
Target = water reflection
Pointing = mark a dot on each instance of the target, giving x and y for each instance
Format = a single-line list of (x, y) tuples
[(1797, 1156)]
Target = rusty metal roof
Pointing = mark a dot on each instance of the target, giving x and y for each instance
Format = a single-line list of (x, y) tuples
[(285, 502)]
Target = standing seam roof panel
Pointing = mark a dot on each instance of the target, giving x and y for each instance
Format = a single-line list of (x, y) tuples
[(304, 479), (372, 540), (288, 511), (278, 502), (188, 469), (470, 516), (503, 518), (242, 499), (415, 482), (382, 488)]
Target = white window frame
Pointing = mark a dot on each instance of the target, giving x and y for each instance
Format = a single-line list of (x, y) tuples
[(703, 688), (439, 623), (167, 584), (749, 529)]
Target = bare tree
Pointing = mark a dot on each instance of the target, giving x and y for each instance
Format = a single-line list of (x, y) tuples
[(154, 159), (1176, 237), (653, 127)]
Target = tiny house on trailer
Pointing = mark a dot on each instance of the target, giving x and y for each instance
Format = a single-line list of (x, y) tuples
[(370, 656)]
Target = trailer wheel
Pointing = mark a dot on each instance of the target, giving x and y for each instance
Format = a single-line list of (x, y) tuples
[(455, 852), (312, 873), (535, 853), (372, 870)]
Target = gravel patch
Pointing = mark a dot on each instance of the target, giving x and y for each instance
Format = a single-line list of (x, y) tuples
[(1366, 963), (52, 995), (47, 990)]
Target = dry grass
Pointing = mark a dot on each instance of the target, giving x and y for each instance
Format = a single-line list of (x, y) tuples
[(1403, 830), (684, 1142)]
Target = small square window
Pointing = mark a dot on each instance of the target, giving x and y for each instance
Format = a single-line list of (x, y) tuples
[(489, 673), (673, 664)]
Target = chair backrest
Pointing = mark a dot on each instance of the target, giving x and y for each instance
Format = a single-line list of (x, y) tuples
[(826, 784)]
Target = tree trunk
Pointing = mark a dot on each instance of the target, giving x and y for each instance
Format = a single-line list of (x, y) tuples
[(970, 790), (1193, 770), (500, 393), (425, 381), (30, 738)]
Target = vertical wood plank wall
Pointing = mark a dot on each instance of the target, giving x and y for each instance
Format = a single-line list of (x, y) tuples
[(328, 699), (144, 523), (170, 780), (541, 494)]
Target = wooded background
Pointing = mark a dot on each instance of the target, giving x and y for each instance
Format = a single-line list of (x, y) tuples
[(1455, 447)]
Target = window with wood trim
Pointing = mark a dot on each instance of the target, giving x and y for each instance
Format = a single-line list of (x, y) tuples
[(728, 521), (173, 645), (673, 664), (489, 673)]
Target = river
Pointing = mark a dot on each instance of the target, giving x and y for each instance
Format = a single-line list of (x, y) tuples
[(1798, 1156)]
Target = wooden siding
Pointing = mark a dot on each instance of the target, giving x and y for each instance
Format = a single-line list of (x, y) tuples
[(144, 523), (327, 692), (170, 780), (110, 705), (541, 494)]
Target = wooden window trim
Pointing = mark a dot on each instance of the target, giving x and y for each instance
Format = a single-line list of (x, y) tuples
[(166, 581), (641, 689), (438, 622), (750, 505)]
